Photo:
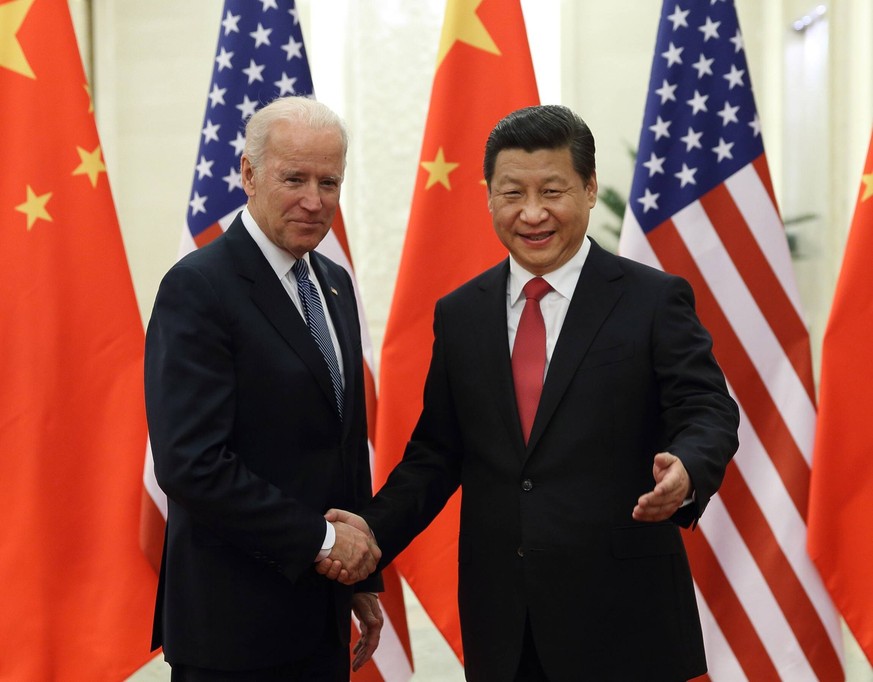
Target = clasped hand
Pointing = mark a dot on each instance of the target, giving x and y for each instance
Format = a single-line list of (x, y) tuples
[(355, 553)]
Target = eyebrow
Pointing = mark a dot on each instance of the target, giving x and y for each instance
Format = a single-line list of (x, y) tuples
[(546, 180)]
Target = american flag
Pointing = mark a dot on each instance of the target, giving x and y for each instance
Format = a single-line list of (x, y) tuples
[(261, 56), (702, 206)]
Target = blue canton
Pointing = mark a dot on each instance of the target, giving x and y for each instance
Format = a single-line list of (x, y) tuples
[(700, 125), (260, 56)]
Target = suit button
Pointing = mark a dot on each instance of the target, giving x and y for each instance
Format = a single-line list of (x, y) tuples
[(520, 551), (527, 485)]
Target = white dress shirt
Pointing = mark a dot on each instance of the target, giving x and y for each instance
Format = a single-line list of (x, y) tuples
[(554, 304)]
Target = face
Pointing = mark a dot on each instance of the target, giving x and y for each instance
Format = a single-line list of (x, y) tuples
[(294, 194), (540, 206)]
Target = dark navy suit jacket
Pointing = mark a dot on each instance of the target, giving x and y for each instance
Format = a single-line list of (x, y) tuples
[(250, 450), (546, 530)]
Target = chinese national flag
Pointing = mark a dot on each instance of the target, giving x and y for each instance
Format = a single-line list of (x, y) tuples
[(840, 539), (76, 593), (484, 71)]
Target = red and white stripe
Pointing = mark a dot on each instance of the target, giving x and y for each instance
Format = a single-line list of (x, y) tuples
[(764, 610)]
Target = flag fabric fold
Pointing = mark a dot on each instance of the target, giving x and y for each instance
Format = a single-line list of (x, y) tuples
[(840, 515), (484, 71), (702, 206), (76, 592), (260, 56)]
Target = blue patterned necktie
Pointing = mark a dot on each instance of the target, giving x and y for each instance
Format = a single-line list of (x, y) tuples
[(317, 323)]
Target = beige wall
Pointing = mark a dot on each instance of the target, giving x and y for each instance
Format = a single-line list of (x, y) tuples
[(373, 61)]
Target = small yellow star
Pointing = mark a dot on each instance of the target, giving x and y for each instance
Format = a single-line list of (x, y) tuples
[(439, 170), (92, 165), (12, 15), (34, 207), (464, 25), (867, 179)]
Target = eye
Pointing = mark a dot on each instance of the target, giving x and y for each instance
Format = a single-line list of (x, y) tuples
[(551, 192)]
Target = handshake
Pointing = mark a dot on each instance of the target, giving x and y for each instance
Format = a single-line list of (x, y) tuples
[(355, 553)]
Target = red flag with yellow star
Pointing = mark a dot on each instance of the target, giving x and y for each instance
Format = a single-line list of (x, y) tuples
[(484, 71), (76, 593), (841, 488)]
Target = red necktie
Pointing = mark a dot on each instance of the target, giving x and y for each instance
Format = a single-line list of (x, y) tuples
[(529, 354)]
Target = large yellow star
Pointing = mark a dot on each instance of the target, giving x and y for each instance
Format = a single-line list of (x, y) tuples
[(439, 170), (12, 57), (34, 207), (92, 165), (464, 25), (867, 179)]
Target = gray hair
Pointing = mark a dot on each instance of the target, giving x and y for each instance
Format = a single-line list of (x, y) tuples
[(296, 109)]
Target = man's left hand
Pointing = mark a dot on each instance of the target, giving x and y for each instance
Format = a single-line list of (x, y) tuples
[(369, 614), (672, 488)]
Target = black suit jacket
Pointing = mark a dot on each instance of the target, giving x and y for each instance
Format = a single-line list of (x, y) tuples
[(546, 529), (250, 450)]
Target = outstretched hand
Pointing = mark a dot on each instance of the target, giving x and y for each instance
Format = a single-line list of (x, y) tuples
[(672, 488), (355, 553)]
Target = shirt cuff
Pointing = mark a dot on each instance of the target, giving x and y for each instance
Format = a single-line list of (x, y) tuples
[(329, 541), (689, 500)]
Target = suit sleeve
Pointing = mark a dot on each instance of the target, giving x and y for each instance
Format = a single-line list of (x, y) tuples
[(364, 479), (698, 416), (430, 471), (190, 390)]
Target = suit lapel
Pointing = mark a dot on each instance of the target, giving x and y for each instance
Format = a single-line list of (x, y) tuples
[(493, 344), (268, 294), (597, 292)]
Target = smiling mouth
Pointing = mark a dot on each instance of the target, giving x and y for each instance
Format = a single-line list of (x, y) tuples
[(537, 237)]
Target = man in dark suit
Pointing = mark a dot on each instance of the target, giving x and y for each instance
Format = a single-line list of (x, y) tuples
[(253, 437), (571, 565)]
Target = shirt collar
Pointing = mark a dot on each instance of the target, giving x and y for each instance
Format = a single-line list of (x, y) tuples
[(563, 280), (280, 260)]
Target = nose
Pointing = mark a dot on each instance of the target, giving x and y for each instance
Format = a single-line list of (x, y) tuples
[(311, 196), (533, 211)]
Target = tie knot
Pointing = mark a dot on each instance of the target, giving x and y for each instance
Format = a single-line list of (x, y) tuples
[(300, 271), (536, 288)]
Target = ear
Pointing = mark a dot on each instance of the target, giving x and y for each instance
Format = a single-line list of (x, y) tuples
[(248, 174), (487, 185), (591, 189)]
